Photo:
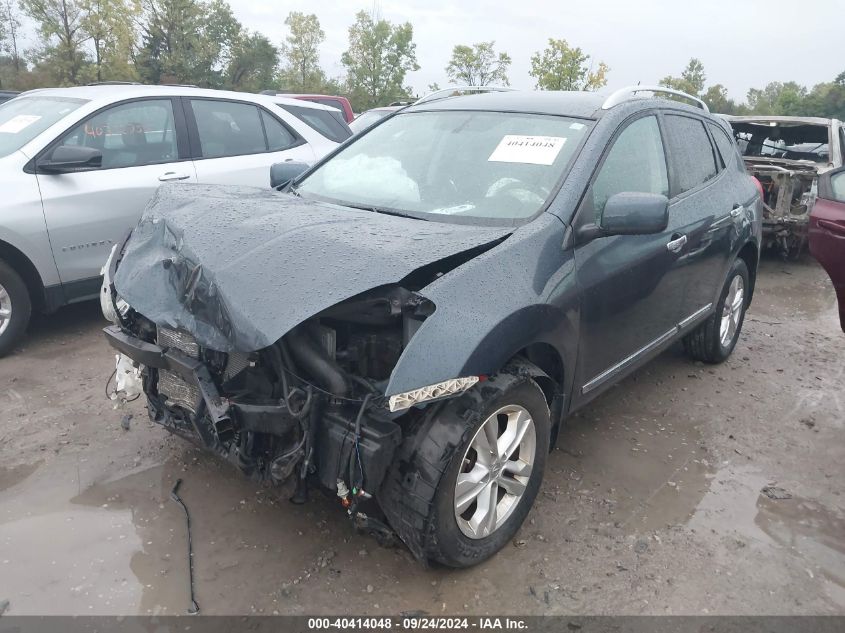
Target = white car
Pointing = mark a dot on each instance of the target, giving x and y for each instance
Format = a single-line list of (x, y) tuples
[(78, 165)]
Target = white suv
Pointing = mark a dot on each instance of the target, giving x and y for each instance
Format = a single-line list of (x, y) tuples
[(78, 165)]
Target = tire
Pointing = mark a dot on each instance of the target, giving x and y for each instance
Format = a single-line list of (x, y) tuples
[(419, 494), (14, 297), (707, 343)]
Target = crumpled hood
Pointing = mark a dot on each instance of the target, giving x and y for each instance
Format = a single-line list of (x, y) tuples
[(239, 267)]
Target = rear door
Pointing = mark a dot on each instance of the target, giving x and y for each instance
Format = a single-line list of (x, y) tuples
[(143, 143), (704, 209), (827, 232), (235, 142), (632, 285)]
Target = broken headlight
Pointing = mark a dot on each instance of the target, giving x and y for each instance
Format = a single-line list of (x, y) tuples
[(436, 391)]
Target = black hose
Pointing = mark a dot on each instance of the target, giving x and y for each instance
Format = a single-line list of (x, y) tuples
[(316, 362), (174, 495)]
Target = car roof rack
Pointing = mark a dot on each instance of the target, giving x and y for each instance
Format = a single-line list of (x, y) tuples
[(624, 94), (445, 93)]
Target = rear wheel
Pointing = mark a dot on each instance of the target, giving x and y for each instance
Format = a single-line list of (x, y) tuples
[(466, 479), (15, 308), (714, 340)]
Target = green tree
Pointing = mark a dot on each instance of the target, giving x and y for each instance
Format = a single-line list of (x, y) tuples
[(827, 99), (716, 98), (691, 80), (10, 24), (109, 23), (253, 63), (778, 98), (301, 54), (478, 65), (379, 56), (561, 67), (60, 25)]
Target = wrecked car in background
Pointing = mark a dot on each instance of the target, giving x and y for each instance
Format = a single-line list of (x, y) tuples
[(409, 322), (787, 154)]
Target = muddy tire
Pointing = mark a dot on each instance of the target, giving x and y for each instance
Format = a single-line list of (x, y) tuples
[(428, 492), (15, 308), (715, 339)]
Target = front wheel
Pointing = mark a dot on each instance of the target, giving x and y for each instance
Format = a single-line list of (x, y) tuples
[(15, 308), (467, 479), (714, 340)]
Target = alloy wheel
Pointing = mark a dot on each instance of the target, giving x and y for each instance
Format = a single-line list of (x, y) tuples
[(5, 310), (732, 311), (495, 471)]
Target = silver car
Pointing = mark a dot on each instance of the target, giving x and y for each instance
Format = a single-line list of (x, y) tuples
[(78, 165)]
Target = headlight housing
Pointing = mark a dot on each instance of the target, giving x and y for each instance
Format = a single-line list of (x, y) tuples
[(408, 399)]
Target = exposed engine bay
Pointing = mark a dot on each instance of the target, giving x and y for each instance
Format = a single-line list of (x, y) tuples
[(786, 155)]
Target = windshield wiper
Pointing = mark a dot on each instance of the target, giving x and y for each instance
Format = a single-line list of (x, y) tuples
[(384, 211)]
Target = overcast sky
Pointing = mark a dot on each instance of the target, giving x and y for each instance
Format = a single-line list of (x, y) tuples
[(742, 43)]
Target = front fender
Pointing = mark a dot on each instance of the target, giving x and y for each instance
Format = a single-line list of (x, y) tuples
[(519, 293)]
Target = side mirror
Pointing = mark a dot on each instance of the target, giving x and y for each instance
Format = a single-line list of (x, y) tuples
[(282, 173), (633, 213), (70, 158)]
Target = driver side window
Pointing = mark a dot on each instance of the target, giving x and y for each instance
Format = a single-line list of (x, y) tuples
[(636, 162), (130, 134)]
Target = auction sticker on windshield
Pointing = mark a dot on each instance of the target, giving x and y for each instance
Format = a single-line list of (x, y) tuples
[(535, 150), (19, 122)]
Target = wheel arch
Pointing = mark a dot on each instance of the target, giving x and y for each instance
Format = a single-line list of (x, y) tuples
[(28, 272)]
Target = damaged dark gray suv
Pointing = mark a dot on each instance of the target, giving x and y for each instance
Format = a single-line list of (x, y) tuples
[(410, 321)]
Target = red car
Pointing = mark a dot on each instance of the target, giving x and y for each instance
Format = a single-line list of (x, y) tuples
[(827, 232), (340, 103)]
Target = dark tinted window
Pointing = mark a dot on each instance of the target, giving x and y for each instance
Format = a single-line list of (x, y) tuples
[(724, 143), (636, 162), (129, 135), (278, 136), (329, 124), (333, 103), (227, 128), (692, 154)]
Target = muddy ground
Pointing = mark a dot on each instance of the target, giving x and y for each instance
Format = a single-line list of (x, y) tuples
[(652, 502)]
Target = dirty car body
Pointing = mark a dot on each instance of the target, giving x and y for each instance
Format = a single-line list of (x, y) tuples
[(787, 154), (410, 321)]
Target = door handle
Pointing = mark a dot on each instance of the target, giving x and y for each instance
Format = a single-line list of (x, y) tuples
[(833, 227), (737, 210), (172, 175), (677, 244)]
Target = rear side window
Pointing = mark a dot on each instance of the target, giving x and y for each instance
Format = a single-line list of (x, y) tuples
[(636, 162), (329, 124), (129, 135), (278, 136), (691, 152), (332, 103), (725, 145), (227, 128)]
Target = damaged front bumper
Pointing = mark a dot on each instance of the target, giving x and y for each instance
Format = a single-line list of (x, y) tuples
[(224, 424)]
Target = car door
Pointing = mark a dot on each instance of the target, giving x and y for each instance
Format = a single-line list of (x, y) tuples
[(143, 144), (632, 285), (705, 211), (235, 143), (827, 232)]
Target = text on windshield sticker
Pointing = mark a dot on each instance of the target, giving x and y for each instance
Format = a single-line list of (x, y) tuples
[(17, 123), (535, 150)]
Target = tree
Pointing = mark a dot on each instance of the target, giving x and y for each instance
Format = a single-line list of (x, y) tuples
[(301, 52), (561, 67), (379, 56), (10, 25), (716, 98), (827, 99), (187, 41), (691, 80), (478, 65), (60, 24), (778, 98), (109, 23), (252, 67)]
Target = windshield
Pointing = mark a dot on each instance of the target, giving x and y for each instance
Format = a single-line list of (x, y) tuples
[(451, 165), (24, 118), (789, 141), (365, 120)]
